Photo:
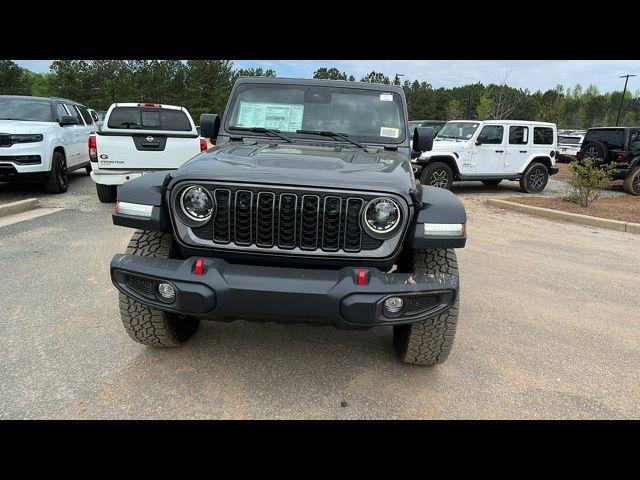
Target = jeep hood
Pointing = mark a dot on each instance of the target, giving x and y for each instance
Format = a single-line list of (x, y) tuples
[(302, 165)]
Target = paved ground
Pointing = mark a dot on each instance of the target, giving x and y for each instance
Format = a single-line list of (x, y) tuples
[(550, 328)]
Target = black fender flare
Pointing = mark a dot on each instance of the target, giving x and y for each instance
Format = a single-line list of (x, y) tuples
[(145, 190), (438, 206)]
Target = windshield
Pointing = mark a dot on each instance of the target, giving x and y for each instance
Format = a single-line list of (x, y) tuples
[(364, 115), (460, 130), (26, 109)]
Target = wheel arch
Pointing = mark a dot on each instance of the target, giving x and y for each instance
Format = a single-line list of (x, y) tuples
[(448, 159), (543, 159)]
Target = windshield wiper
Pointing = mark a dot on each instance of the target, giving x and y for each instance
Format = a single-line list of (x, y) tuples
[(272, 131), (326, 133)]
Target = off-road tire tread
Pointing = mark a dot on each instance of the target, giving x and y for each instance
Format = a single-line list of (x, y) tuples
[(429, 341), (147, 325), (627, 185), (106, 193)]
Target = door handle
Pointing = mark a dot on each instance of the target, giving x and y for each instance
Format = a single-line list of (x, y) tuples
[(499, 151), (523, 151)]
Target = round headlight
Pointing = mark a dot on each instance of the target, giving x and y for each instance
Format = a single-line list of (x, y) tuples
[(381, 216), (197, 204)]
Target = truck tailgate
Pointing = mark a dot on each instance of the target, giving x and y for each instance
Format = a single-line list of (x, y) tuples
[(124, 151)]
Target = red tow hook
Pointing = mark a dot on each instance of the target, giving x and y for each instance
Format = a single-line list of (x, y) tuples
[(361, 276), (199, 267)]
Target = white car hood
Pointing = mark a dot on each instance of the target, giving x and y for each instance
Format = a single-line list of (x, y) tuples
[(447, 145), (18, 126)]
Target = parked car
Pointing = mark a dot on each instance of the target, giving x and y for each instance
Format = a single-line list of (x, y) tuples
[(619, 147), (288, 221), (43, 139), (491, 151), (137, 139), (569, 145)]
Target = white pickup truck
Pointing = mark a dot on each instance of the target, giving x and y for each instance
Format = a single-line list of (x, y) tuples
[(140, 138)]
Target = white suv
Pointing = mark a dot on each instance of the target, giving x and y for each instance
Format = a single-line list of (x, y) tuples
[(491, 151), (43, 139)]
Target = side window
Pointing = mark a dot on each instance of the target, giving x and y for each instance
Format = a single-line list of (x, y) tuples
[(73, 111), (85, 114), (60, 111), (635, 139), (94, 115), (491, 134), (543, 135), (518, 135)]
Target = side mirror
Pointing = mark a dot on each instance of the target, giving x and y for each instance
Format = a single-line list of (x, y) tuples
[(209, 126), (423, 139), (68, 120), (480, 140)]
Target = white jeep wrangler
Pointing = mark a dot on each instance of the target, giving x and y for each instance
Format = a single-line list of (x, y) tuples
[(491, 151)]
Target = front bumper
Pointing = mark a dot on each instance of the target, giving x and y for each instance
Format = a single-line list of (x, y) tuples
[(228, 291)]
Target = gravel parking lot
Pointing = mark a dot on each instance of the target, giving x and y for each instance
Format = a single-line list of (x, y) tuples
[(549, 328)]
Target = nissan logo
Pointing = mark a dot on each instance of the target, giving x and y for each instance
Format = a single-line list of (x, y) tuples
[(149, 139)]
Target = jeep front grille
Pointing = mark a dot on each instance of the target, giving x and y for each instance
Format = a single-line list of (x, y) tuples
[(281, 219)]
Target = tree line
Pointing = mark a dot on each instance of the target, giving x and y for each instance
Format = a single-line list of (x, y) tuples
[(203, 86)]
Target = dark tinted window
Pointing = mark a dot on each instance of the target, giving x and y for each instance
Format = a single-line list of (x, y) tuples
[(86, 115), (518, 135), (543, 135), (611, 137), (30, 110), (60, 111), (568, 140), (491, 134), (634, 139), (151, 118), (73, 111)]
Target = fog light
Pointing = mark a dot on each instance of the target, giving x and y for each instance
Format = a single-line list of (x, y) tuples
[(393, 306), (166, 290)]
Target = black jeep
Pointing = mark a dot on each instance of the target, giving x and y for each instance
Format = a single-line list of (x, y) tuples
[(306, 210), (619, 147)]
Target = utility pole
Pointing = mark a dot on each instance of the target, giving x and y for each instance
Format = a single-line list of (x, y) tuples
[(396, 81), (626, 77)]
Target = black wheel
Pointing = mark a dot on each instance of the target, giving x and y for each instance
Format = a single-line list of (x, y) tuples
[(595, 149), (631, 183), (429, 342), (491, 183), (107, 193), (88, 168), (147, 325), (534, 178), (437, 174), (58, 178)]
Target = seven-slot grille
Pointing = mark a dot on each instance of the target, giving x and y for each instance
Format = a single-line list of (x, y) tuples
[(309, 221)]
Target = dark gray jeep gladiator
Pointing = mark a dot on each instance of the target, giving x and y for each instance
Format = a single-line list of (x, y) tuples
[(305, 210)]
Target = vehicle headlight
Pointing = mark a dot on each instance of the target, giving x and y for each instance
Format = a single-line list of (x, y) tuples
[(381, 217), (197, 203)]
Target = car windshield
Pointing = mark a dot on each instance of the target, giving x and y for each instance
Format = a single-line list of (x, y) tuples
[(364, 115), (459, 130), (25, 109)]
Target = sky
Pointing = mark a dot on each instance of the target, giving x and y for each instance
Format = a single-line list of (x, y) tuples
[(531, 74)]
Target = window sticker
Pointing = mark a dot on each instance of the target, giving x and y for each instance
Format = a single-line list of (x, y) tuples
[(389, 132), (386, 97), (281, 116)]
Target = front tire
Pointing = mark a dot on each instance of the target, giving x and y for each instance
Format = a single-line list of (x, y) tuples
[(631, 184), (429, 341), (534, 178), (107, 193), (147, 325), (58, 178), (437, 174)]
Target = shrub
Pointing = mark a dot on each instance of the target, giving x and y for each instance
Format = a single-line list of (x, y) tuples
[(586, 180)]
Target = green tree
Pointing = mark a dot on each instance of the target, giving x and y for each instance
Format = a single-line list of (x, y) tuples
[(13, 80), (454, 110), (483, 108), (376, 77), (329, 74)]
